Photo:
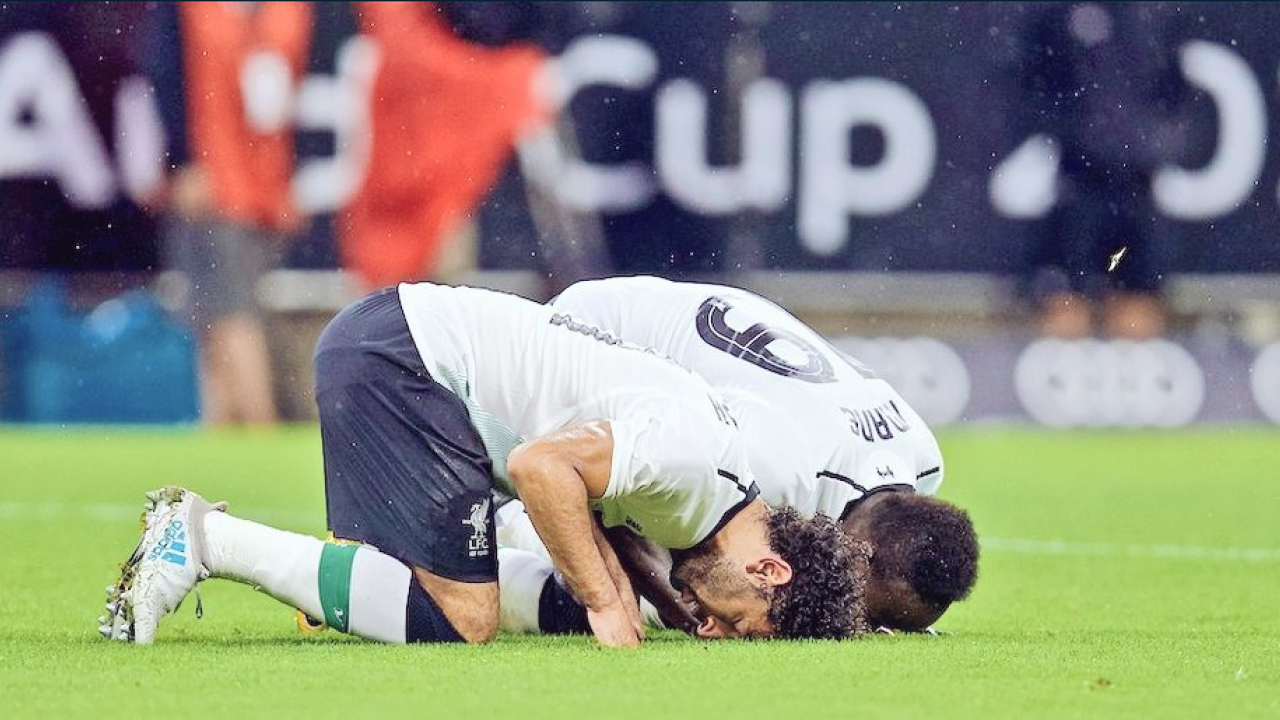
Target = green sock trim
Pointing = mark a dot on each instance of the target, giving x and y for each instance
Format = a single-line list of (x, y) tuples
[(335, 584)]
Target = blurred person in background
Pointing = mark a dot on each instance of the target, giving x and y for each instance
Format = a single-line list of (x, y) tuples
[(445, 116), (1095, 77), (81, 155), (230, 211)]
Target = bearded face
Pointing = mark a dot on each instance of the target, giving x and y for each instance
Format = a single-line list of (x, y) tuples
[(720, 594)]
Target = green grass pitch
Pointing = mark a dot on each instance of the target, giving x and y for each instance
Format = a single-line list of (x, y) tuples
[(1123, 575)]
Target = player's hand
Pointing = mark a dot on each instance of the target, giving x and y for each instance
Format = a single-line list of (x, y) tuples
[(649, 569), (621, 581), (630, 601), (613, 627)]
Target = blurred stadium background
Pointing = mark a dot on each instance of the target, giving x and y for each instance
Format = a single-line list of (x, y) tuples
[(921, 182), (885, 171)]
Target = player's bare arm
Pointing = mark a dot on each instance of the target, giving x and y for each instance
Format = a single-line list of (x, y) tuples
[(556, 475), (649, 567), (621, 578)]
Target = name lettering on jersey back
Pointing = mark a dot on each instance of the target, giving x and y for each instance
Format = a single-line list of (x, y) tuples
[(881, 422)]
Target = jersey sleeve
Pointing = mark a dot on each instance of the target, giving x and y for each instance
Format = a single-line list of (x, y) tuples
[(677, 477), (930, 467), (929, 481)]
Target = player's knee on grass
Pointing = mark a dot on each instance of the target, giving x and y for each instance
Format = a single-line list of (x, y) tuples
[(424, 621), (470, 610)]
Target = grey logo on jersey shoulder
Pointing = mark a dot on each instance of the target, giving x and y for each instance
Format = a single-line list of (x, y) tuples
[(591, 331), (478, 543), (885, 472)]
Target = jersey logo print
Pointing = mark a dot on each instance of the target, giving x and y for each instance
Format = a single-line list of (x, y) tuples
[(752, 344), (582, 328), (595, 333)]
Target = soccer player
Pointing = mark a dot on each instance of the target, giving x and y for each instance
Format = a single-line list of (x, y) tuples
[(430, 397), (823, 434)]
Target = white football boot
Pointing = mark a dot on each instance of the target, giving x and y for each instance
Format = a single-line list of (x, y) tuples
[(166, 565)]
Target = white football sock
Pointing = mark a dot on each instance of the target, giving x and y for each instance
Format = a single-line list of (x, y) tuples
[(514, 529), (286, 566), (521, 577), (283, 564)]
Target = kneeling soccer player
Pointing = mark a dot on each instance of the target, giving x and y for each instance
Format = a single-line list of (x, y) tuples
[(430, 398)]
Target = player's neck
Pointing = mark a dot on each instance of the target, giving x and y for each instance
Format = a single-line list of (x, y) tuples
[(746, 535), (857, 523)]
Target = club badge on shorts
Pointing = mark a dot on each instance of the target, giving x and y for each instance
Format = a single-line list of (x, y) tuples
[(478, 543)]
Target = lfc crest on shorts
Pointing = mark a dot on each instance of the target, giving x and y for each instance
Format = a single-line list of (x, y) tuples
[(478, 543)]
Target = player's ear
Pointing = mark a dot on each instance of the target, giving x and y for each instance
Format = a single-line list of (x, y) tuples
[(771, 570)]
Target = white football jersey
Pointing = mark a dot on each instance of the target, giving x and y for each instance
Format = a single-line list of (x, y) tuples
[(821, 431), (524, 370)]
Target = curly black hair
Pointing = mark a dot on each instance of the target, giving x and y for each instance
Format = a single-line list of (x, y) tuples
[(825, 596), (929, 543)]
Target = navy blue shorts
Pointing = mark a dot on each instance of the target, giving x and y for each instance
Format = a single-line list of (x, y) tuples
[(404, 468)]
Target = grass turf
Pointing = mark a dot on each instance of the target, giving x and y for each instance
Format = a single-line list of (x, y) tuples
[(1124, 575)]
